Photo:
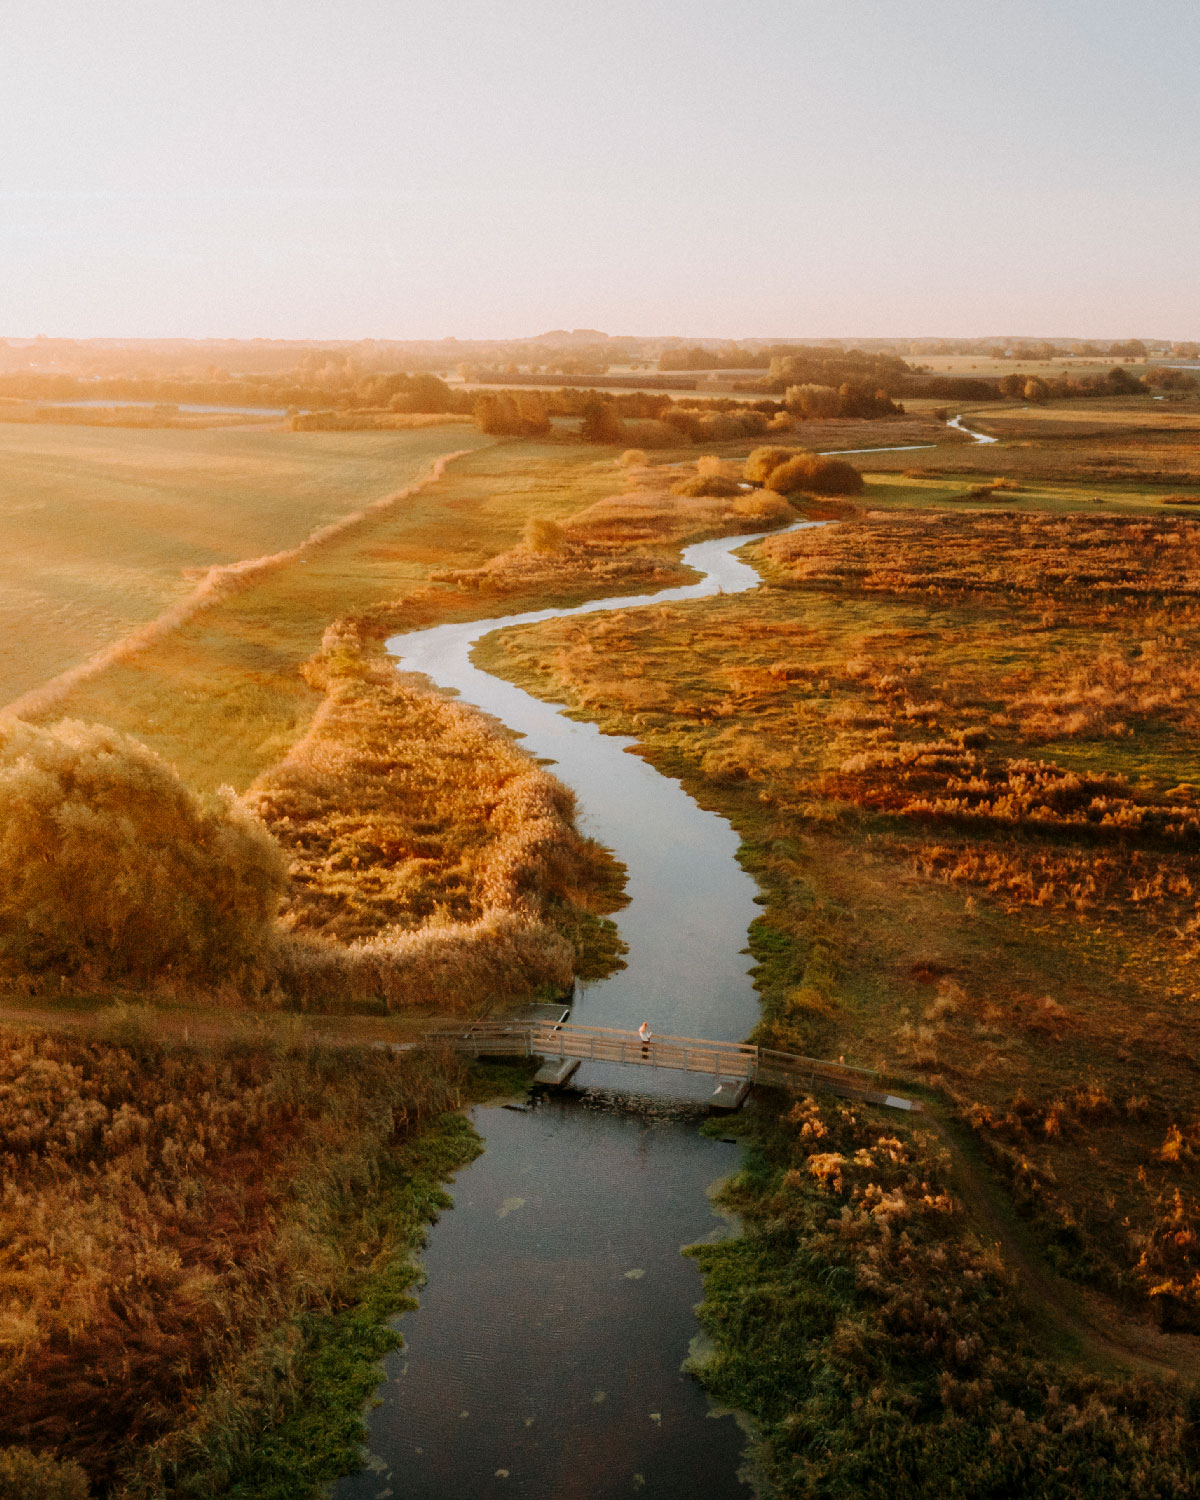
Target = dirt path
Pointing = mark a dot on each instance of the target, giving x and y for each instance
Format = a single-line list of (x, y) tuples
[(189, 1024), (1098, 1331)]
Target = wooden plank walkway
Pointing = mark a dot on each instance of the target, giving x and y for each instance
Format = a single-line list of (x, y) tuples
[(726, 1062)]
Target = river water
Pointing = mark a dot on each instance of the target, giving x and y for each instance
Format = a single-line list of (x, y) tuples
[(545, 1359), (544, 1362)]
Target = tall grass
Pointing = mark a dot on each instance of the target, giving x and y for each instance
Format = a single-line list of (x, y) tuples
[(170, 1217), (432, 861)]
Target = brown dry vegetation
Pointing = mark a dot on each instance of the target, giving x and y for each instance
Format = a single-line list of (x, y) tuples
[(168, 1218), (111, 870), (883, 1351), (432, 861), (962, 751), (629, 539)]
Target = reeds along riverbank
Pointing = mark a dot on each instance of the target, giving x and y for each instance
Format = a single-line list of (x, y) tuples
[(882, 1352), (178, 1226), (433, 862)]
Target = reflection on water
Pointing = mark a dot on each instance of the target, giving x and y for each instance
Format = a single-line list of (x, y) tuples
[(544, 1360), (690, 902)]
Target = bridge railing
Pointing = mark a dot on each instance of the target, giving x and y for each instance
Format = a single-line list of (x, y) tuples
[(722, 1060)]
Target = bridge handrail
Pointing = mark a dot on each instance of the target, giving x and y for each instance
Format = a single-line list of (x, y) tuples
[(761, 1058)]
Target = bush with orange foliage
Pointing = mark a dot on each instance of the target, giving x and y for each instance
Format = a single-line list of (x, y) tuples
[(112, 869)]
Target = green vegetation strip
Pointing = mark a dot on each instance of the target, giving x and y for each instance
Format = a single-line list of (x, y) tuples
[(319, 1433), (882, 1352)]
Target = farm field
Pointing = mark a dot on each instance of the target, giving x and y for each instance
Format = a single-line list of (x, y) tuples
[(102, 529), (222, 697), (985, 366)]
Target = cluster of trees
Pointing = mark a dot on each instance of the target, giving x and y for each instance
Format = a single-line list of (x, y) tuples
[(873, 372), (697, 357), (789, 471), (512, 414), (1021, 385), (814, 401), (1114, 382), (353, 392), (645, 418)]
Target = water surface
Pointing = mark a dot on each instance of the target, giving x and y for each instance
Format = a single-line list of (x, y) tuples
[(544, 1360), (690, 902)]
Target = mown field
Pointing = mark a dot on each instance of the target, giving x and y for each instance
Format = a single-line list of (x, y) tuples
[(101, 529)]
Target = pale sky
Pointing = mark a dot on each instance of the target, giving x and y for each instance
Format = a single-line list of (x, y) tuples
[(495, 168)]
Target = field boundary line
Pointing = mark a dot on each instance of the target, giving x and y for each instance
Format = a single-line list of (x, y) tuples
[(219, 582)]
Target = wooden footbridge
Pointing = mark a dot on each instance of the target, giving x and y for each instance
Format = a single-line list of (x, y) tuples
[(734, 1066)]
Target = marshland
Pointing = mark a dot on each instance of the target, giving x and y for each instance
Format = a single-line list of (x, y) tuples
[(930, 758)]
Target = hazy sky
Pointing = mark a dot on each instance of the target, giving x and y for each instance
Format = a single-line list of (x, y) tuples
[(487, 168)]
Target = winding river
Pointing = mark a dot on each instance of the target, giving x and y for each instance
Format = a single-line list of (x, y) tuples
[(544, 1361)]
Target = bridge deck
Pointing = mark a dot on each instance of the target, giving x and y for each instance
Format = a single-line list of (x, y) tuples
[(719, 1060)]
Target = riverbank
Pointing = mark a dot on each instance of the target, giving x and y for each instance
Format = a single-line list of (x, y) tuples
[(199, 1238), (884, 1353)]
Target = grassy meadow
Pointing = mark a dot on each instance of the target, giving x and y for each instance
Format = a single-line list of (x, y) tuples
[(961, 748), (101, 529), (222, 697)]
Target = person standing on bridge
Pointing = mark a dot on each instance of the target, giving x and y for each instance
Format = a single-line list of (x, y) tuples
[(644, 1033)]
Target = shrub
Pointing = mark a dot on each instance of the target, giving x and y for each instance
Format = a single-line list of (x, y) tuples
[(111, 868), (763, 460), (763, 505), (650, 433), (817, 475), (35, 1476), (543, 535), (697, 485), (502, 414), (813, 401), (633, 458), (601, 422)]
